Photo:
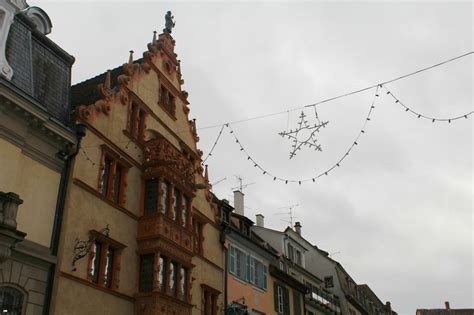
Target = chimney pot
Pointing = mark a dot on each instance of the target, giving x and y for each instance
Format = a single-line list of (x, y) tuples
[(239, 202), (260, 221), (298, 228), (446, 304)]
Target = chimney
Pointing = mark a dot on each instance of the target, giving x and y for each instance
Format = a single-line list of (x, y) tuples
[(298, 228), (388, 307), (260, 218), (446, 304), (239, 202)]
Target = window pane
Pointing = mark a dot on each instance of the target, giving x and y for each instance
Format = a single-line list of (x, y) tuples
[(117, 182), (183, 283), (176, 195), (108, 267), (146, 272), (105, 176), (131, 122), (173, 278), (184, 214), (11, 301), (96, 248), (232, 259), (170, 104), (165, 199), (138, 132), (151, 196), (161, 275)]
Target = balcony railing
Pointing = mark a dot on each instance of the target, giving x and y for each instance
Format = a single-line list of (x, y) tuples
[(160, 226), (325, 299)]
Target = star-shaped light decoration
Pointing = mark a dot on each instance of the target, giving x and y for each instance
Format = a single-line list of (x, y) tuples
[(310, 140)]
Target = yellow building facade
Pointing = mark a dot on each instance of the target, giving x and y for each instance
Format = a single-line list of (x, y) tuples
[(35, 142), (140, 233)]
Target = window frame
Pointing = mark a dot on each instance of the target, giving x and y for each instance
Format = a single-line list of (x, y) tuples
[(198, 235), (166, 202), (167, 100), (136, 122), (248, 266), (108, 178), (209, 294), (106, 244)]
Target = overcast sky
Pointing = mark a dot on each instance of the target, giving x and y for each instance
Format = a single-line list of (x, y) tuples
[(398, 211)]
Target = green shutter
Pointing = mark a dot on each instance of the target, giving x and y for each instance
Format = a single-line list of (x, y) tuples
[(232, 259), (247, 274), (265, 272)]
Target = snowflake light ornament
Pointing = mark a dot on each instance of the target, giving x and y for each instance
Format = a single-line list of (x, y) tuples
[(298, 135)]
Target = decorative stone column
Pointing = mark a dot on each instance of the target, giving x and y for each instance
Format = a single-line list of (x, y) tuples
[(9, 235)]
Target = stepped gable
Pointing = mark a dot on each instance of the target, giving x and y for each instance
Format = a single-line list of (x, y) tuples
[(93, 96)]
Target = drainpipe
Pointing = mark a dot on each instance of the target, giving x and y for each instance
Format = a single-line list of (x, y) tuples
[(68, 157), (225, 230)]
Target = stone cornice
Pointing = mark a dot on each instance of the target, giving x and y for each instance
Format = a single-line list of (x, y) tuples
[(35, 113)]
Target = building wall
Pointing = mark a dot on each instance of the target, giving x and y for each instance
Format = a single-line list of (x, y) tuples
[(86, 209), (37, 184), (34, 113)]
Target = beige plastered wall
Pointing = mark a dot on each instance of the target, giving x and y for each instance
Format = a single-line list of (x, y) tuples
[(37, 185)]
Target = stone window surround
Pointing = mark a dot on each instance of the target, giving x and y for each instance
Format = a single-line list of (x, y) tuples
[(107, 243), (116, 159)]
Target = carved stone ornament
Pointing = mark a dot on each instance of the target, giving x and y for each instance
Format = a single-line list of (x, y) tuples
[(82, 248), (9, 235), (8, 9), (9, 203)]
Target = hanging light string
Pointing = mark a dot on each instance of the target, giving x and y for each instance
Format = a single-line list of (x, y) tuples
[(213, 146), (433, 119), (342, 95), (326, 172), (87, 157)]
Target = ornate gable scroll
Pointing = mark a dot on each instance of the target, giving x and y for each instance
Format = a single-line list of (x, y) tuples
[(161, 157)]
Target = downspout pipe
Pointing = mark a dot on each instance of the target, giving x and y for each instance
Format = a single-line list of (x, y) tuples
[(68, 157)]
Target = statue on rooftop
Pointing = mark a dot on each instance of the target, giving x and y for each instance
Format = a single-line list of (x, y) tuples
[(169, 23)]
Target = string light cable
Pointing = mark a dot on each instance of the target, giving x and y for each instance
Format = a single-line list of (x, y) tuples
[(342, 95), (326, 172), (433, 119)]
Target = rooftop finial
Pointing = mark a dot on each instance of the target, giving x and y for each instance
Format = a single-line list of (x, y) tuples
[(130, 59), (153, 42), (107, 83), (169, 23), (206, 174)]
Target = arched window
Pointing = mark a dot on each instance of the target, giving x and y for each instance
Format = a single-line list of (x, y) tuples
[(11, 301)]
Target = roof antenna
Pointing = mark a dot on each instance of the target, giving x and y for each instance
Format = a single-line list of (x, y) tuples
[(289, 214), (241, 185)]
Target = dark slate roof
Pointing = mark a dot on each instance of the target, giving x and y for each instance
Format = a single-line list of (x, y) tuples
[(85, 93), (443, 311)]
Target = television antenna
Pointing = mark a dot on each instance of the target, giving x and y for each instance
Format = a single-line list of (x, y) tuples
[(289, 214), (241, 185)]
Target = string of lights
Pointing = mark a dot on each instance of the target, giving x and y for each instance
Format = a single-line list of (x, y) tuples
[(324, 173), (213, 146), (87, 157), (343, 95), (418, 115)]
